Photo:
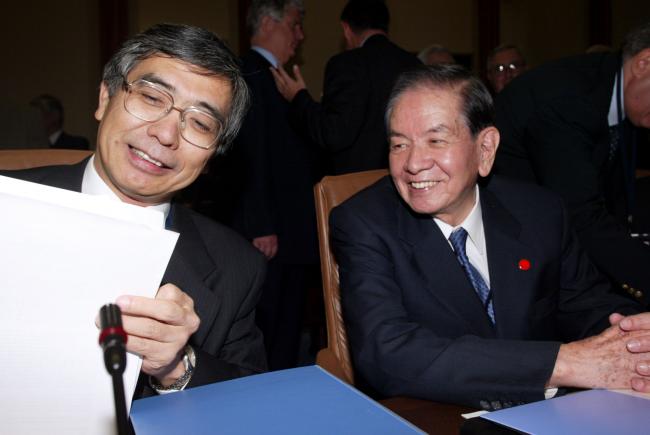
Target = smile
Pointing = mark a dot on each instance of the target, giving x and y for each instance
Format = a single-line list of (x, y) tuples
[(146, 157), (423, 184)]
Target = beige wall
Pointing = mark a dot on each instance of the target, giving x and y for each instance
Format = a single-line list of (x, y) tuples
[(219, 16), (51, 47)]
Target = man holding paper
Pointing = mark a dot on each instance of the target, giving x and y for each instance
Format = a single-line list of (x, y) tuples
[(171, 98)]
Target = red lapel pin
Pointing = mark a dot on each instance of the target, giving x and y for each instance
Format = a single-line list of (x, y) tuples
[(524, 264)]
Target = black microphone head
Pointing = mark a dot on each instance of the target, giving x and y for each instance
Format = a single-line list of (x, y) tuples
[(110, 316), (112, 338)]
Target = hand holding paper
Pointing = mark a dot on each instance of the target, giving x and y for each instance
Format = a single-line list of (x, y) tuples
[(159, 329)]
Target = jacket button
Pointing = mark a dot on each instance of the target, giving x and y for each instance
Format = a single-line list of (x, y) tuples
[(638, 294), (485, 405), (625, 286), (496, 405)]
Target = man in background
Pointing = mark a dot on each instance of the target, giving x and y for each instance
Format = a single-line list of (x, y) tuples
[(571, 125), (51, 111), (504, 63), (274, 176), (348, 122), (436, 54)]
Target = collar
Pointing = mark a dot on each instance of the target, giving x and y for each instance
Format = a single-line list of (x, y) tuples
[(473, 224), (612, 116), (93, 184), (266, 55), (55, 136)]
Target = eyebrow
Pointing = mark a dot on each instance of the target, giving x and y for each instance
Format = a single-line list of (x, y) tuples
[(153, 78), (438, 128)]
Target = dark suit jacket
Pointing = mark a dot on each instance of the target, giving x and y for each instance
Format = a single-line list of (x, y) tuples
[(417, 327), (219, 270), (276, 171), (349, 121), (66, 141), (554, 131)]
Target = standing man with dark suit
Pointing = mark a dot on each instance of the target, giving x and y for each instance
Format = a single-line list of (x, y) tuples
[(170, 99), (348, 122), (276, 172), (570, 125), (477, 295)]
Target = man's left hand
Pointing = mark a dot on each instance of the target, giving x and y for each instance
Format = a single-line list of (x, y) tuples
[(286, 85), (158, 330)]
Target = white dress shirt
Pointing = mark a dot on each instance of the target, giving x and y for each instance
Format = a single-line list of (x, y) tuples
[(93, 184)]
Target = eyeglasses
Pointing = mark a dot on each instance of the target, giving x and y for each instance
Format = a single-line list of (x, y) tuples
[(502, 68), (147, 101)]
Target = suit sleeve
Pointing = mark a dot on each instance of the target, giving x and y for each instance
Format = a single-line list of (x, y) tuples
[(336, 122), (561, 152), (399, 356), (242, 353)]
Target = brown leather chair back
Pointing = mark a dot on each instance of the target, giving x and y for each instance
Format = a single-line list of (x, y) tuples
[(330, 192), (32, 158)]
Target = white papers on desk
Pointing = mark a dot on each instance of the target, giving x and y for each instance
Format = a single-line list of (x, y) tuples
[(63, 256)]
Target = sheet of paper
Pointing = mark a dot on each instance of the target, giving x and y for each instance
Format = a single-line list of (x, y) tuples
[(58, 266), (594, 412)]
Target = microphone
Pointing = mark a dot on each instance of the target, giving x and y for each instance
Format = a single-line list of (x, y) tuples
[(112, 338)]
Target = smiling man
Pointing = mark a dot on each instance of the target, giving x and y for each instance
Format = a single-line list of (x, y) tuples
[(473, 294), (171, 98)]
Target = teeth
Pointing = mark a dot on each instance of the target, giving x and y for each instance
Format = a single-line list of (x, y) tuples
[(146, 157), (423, 184)]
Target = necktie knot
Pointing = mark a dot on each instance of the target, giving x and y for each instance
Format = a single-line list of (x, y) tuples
[(458, 239)]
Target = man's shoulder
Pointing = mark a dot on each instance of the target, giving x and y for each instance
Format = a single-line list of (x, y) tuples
[(373, 201), (522, 198)]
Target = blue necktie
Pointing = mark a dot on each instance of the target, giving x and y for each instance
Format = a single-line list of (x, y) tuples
[(458, 239)]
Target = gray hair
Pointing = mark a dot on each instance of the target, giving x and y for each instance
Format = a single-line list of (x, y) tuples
[(433, 48), (272, 8), (194, 45), (637, 40), (503, 47), (476, 102)]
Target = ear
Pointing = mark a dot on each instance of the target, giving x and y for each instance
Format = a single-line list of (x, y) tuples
[(640, 63), (488, 142), (104, 99), (266, 25)]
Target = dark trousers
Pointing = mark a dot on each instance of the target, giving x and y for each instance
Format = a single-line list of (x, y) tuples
[(279, 313)]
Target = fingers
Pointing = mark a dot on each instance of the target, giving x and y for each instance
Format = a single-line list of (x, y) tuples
[(615, 318), (297, 74), (638, 343), (635, 322), (641, 385), (267, 245)]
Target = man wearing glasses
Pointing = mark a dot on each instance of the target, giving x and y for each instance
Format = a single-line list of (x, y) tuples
[(504, 63), (169, 100)]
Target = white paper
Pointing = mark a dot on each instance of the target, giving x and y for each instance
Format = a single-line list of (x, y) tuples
[(58, 265)]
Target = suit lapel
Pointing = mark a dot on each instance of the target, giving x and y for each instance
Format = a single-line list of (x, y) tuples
[(504, 252), (440, 270), (190, 267)]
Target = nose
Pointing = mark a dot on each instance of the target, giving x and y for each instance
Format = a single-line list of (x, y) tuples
[(418, 159), (300, 33), (167, 129)]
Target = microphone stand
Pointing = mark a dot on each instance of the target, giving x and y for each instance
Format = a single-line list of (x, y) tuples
[(113, 340)]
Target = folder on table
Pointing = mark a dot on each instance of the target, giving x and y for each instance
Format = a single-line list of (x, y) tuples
[(305, 400), (591, 412)]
